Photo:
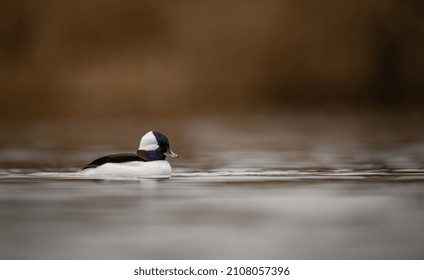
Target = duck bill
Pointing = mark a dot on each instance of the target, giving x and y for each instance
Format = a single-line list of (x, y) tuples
[(170, 153)]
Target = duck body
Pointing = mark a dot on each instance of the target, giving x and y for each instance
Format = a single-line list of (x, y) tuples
[(149, 162), (138, 169)]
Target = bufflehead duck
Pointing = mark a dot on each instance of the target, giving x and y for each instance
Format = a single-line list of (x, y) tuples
[(149, 162)]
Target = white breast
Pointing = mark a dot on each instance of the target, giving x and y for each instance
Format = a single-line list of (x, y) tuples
[(134, 169)]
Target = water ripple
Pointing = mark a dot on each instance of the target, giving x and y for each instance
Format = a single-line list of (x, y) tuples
[(242, 175)]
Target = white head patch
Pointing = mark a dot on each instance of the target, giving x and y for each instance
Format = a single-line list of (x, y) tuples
[(148, 142)]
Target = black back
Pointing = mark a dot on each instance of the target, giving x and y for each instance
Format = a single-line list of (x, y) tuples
[(117, 158)]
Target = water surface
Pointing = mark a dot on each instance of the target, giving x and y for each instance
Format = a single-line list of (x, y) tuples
[(275, 186)]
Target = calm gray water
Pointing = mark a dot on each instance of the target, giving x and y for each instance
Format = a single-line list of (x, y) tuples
[(276, 186)]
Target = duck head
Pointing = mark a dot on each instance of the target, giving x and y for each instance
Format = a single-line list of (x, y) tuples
[(155, 146)]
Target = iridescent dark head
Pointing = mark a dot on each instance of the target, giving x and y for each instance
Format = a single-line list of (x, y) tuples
[(154, 146)]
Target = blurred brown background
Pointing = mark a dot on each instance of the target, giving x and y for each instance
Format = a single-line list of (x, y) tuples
[(90, 58)]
